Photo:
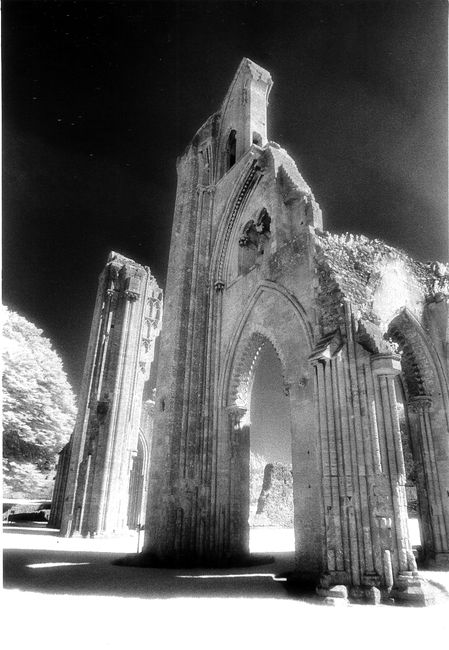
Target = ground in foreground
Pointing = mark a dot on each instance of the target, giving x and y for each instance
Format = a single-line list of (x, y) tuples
[(68, 592)]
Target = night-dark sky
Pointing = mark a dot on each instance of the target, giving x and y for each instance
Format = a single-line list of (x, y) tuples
[(100, 97)]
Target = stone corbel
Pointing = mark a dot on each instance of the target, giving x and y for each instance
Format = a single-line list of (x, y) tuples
[(219, 286), (132, 296)]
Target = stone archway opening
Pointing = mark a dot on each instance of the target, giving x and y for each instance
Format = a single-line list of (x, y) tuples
[(270, 458)]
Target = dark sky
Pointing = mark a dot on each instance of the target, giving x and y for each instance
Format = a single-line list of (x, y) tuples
[(100, 97)]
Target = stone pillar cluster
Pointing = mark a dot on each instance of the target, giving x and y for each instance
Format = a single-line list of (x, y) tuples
[(121, 349), (363, 474)]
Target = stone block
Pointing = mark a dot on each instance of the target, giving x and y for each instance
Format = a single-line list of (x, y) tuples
[(339, 591), (335, 602), (373, 596)]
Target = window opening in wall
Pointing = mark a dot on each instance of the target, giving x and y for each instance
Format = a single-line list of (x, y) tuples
[(271, 479), (232, 148)]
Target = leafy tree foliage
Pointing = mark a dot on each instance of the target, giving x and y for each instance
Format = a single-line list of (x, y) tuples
[(38, 409)]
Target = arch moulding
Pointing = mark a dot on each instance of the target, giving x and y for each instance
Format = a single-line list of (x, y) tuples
[(286, 339)]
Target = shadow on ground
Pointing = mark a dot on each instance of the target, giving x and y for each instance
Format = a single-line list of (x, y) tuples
[(38, 565), (93, 573)]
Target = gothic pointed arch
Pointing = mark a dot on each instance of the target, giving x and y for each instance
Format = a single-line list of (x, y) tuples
[(243, 375), (423, 370), (272, 298)]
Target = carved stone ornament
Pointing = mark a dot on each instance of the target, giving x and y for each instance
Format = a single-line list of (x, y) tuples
[(439, 289), (254, 235), (219, 286), (132, 296)]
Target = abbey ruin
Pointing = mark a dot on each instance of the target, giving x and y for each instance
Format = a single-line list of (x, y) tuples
[(361, 332), (101, 484)]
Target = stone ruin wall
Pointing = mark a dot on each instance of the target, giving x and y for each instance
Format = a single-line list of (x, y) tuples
[(109, 444), (347, 316)]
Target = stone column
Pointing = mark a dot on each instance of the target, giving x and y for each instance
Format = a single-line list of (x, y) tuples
[(306, 479), (338, 558), (435, 542), (391, 508), (239, 482)]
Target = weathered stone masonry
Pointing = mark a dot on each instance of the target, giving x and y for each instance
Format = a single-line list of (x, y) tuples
[(102, 477), (350, 319)]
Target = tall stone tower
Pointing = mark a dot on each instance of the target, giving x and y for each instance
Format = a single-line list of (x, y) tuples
[(240, 201), (361, 333), (109, 450)]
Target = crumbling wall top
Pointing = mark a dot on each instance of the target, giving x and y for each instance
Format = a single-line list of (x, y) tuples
[(379, 280)]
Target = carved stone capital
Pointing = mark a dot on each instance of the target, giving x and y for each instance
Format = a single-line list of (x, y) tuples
[(236, 414), (321, 361), (420, 403), (210, 189), (233, 409), (386, 364)]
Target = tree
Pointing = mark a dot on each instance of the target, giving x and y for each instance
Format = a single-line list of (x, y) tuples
[(38, 409)]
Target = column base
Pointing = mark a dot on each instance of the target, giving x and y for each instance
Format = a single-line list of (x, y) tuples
[(440, 561), (337, 585), (409, 589), (332, 589)]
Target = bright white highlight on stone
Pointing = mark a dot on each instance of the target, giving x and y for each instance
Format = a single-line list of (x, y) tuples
[(49, 565)]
